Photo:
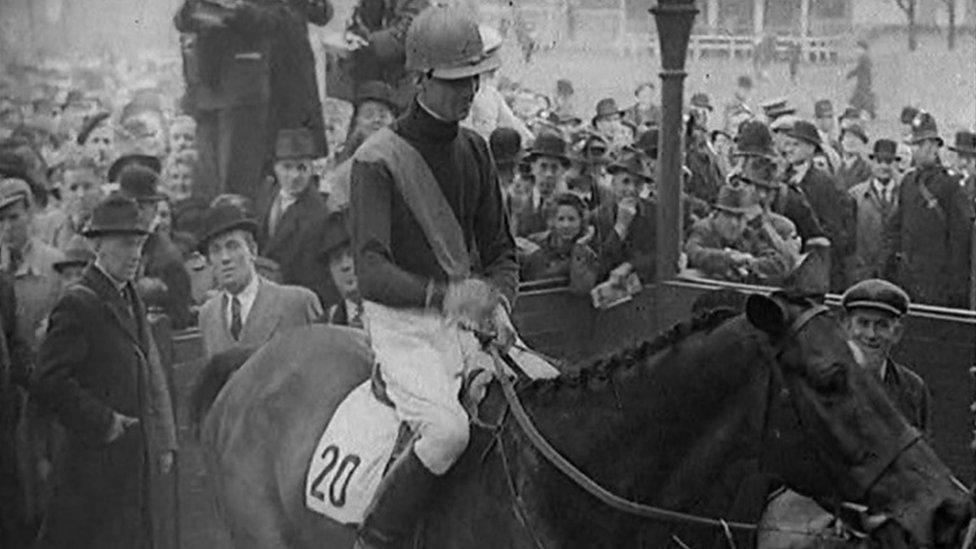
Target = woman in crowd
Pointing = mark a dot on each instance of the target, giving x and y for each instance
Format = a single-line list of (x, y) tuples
[(553, 257)]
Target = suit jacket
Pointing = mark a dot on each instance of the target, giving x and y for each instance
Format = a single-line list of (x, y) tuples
[(230, 66), (98, 358), (872, 215), (297, 244), (910, 395), (638, 247), (276, 307), (161, 259)]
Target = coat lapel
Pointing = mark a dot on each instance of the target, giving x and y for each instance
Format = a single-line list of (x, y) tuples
[(109, 297), (263, 317)]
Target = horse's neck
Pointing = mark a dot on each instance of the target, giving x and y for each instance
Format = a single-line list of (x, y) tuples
[(664, 432)]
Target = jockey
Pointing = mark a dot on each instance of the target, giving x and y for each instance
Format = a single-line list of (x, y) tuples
[(433, 251)]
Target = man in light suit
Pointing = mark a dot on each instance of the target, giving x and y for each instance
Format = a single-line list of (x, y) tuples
[(249, 310)]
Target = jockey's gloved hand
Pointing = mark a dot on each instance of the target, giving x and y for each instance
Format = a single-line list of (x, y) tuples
[(470, 302), (503, 328)]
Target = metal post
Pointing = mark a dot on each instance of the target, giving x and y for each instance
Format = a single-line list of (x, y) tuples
[(674, 19)]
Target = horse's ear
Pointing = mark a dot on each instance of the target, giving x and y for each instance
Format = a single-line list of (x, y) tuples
[(812, 276), (766, 314)]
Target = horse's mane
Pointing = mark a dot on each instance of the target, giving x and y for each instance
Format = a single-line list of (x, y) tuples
[(603, 368)]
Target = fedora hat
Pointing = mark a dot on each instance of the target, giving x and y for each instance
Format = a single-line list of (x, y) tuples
[(606, 107), (908, 114), (805, 131), (77, 254), (924, 128), (294, 144), (115, 215), (885, 149), (139, 159), (776, 108), (548, 144), (632, 163), (14, 190), (823, 109), (224, 219), (857, 131), (140, 184), (754, 139), (734, 200), (505, 144), (375, 90), (850, 113), (965, 143), (702, 101)]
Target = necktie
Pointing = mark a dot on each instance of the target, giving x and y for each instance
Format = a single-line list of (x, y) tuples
[(275, 218), (235, 318), (357, 316)]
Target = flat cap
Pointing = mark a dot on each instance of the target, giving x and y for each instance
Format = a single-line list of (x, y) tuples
[(876, 294)]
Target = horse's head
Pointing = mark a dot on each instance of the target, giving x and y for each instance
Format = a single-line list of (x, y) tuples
[(850, 443)]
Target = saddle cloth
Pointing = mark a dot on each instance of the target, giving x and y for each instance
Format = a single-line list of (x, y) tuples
[(351, 456)]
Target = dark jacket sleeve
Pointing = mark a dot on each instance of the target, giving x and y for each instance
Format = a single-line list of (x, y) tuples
[(800, 212), (496, 245), (380, 279), (388, 43), (19, 351), (251, 17), (959, 220), (55, 386), (892, 232)]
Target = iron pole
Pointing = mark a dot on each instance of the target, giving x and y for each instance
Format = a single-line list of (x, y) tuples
[(674, 20)]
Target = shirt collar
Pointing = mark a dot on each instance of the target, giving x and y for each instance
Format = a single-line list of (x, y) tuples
[(118, 285), (800, 171), (249, 291), (430, 111)]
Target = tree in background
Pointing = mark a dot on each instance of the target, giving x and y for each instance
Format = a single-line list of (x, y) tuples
[(951, 12), (908, 6)]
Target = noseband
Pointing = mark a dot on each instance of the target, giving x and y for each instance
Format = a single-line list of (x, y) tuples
[(870, 472)]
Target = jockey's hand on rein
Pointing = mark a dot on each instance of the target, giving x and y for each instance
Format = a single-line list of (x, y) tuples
[(470, 302)]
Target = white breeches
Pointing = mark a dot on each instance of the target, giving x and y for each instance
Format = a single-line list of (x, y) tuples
[(424, 361)]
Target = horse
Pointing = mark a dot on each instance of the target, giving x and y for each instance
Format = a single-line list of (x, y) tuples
[(702, 420)]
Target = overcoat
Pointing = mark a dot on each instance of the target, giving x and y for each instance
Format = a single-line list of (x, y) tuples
[(872, 214), (98, 358)]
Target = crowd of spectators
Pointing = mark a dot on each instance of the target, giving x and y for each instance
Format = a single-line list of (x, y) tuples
[(762, 188)]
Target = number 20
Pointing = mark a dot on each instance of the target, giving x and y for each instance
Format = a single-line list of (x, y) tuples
[(331, 457)]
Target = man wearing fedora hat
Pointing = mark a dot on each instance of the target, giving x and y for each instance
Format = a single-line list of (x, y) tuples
[(348, 310), (162, 273), (607, 118), (724, 247), (248, 309), (828, 203), (548, 163), (875, 203), (928, 240), (294, 217), (644, 113), (965, 149), (625, 227), (100, 374)]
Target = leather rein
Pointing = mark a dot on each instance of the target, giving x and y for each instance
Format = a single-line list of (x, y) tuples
[(590, 486)]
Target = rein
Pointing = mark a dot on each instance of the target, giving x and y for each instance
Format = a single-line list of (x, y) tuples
[(590, 486)]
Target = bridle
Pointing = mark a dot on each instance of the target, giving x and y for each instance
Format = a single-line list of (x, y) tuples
[(608, 498)]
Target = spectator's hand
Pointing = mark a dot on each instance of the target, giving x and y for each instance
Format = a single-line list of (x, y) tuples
[(626, 212), (166, 460), (741, 258), (620, 274), (587, 236), (470, 302), (120, 423)]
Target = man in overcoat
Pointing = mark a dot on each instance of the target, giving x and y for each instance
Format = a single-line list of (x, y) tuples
[(875, 204), (295, 217), (227, 67), (928, 240), (99, 372)]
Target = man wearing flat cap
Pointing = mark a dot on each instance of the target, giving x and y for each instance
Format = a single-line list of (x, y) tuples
[(874, 310), (295, 217), (248, 309), (99, 373), (928, 240)]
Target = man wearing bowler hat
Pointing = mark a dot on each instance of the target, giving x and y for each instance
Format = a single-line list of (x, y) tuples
[(294, 220), (928, 240), (965, 149), (99, 373), (802, 143), (875, 203), (248, 309)]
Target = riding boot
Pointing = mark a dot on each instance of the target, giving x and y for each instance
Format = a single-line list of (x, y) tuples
[(400, 501)]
